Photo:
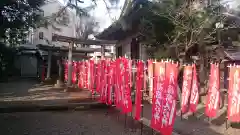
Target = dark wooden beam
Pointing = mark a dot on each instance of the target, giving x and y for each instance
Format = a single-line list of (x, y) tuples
[(66, 39), (65, 49)]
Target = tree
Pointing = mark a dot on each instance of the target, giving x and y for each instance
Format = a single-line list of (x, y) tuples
[(86, 23), (192, 31), (17, 17), (85, 27)]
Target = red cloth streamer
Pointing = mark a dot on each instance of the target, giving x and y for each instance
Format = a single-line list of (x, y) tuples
[(139, 86), (194, 92), (127, 101), (74, 73), (91, 70), (80, 85), (186, 87), (169, 99), (98, 76), (234, 95), (213, 92), (66, 70), (103, 82), (150, 78), (110, 82), (159, 86), (86, 75), (117, 85)]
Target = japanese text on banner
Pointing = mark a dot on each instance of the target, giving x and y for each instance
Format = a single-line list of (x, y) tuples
[(158, 90), (213, 92), (169, 99), (186, 87), (194, 92), (139, 86), (234, 95)]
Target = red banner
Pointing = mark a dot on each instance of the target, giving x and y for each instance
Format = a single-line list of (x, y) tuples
[(80, 76), (98, 76), (118, 76), (65, 70), (234, 95), (103, 82), (91, 74), (213, 92), (159, 86), (150, 79), (169, 99), (74, 72), (186, 87), (194, 92), (127, 101), (110, 82), (86, 74), (139, 86)]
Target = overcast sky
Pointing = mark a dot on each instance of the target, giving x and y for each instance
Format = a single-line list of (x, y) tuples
[(101, 13)]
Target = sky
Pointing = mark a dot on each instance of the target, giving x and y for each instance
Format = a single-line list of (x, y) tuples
[(101, 13)]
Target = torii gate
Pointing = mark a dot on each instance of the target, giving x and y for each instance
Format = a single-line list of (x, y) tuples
[(73, 41)]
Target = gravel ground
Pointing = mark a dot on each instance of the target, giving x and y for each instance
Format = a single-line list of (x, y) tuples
[(16, 87), (94, 122)]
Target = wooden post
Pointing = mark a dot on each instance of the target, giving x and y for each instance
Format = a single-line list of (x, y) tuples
[(102, 51), (150, 79), (49, 64), (60, 73), (69, 82)]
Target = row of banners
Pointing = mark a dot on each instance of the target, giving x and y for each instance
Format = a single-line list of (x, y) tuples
[(112, 80)]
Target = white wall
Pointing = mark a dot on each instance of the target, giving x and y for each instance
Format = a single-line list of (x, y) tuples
[(95, 54)]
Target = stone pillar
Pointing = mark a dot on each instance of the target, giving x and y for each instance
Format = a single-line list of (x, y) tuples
[(49, 65), (69, 82), (60, 80)]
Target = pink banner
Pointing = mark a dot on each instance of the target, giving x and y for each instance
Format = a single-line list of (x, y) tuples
[(169, 99), (74, 72), (139, 86), (127, 101), (65, 70), (234, 95), (186, 87), (194, 92), (213, 92), (159, 86)]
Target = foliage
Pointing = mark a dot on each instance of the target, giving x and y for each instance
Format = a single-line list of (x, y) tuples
[(190, 30), (16, 17), (189, 25), (85, 27), (85, 23), (6, 60)]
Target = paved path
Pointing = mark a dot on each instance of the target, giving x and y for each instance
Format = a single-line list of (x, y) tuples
[(17, 87), (27, 90), (94, 122), (30, 90), (198, 124)]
